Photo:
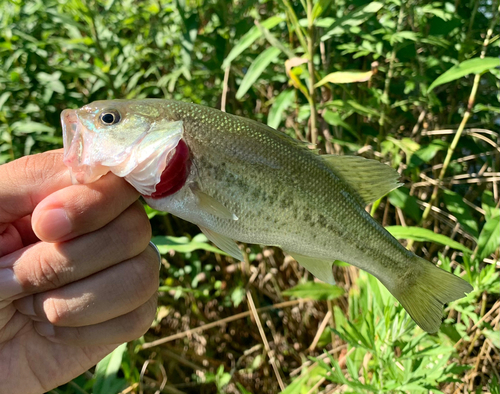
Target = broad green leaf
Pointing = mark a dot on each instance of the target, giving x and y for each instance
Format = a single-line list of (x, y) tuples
[(315, 291), (281, 103), (334, 119), (427, 153), (27, 126), (456, 205), (106, 371), (425, 235), (493, 336), (296, 386), (184, 245), (345, 77), (489, 239), (255, 70), (355, 18), (242, 389), (488, 203), (319, 7), (471, 66), (3, 98), (402, 36), (401, 198), (481, 107), (361, 109), (249, 38)]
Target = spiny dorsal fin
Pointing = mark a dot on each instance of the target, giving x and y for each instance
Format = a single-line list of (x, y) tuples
[(321, 269), (369, 178), (223, 243)]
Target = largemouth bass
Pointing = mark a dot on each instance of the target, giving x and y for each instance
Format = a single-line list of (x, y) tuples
[(240, 180)]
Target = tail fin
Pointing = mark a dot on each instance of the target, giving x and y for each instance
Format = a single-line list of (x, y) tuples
[(424, 297)]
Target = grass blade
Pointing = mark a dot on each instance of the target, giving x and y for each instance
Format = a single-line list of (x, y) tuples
[(471, 66), (255, 70), (424, 235), (249, 38)]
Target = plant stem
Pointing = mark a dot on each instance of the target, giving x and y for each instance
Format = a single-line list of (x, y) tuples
[(310, 66), (466, 117), (390, 73)]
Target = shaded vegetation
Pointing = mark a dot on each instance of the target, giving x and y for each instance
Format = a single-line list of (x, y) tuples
[(425, 102)]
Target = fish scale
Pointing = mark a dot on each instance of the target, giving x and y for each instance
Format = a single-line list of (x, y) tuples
[(250, 183)]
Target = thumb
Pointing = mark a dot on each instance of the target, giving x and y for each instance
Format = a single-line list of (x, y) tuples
[(27, 181)]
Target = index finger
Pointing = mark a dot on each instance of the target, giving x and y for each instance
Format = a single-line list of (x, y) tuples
[(27, 181)]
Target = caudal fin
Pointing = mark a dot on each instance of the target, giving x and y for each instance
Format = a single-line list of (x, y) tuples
[(424, 297)]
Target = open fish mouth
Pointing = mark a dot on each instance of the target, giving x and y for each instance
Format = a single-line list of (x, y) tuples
[(78, 150), (90, 153)]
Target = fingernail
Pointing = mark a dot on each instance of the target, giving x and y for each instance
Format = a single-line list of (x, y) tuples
[(26, 306), (45, 329), (53, 224), (9, 285)]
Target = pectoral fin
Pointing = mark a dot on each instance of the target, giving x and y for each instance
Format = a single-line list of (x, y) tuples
[(369, 178), (321, 269), (223, 243), (211, 205)]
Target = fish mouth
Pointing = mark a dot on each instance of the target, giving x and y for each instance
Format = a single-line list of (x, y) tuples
[(89, 154), (77, 150)]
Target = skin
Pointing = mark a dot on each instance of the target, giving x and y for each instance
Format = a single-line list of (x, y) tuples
[(67, 308)]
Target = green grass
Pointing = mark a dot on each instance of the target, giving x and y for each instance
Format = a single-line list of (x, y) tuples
[(420, 112)]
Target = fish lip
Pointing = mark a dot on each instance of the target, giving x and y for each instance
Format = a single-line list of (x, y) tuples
[(77, 150)]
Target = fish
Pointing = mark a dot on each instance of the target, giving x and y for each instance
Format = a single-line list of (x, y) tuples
[(240, 180)]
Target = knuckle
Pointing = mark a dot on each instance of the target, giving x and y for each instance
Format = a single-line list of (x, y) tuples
[(132, 229), (140, 319), (56, 311), (36, 169), (44, 274), (146, 274), (141, 222)]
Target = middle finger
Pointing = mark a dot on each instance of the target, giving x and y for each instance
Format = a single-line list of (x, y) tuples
[(112, 292), (43, 266)]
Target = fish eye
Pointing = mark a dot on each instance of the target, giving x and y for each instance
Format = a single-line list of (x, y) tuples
[(110, 117)]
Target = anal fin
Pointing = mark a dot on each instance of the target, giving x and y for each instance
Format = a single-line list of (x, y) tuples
[(223, 243), (321, 269)]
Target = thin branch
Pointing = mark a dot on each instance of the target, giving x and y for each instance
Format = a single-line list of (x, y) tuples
[(467, 114), (218, 323), (269, 351)]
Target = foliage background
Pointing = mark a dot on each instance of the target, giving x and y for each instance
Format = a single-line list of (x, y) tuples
[(244, 56)]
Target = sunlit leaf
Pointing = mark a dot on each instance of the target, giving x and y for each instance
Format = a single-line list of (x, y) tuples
[(315, 291), (355, 18), (334, 119), (319, 7), (456, 205), (471, 66), (249, 38), (425, 235), (184, 244), (31, 127), (401, 198), (489, 239), (107, 380), (256, 68), (345, 77), (281, 103)]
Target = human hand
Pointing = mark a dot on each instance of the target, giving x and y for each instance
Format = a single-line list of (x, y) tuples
[(77, 277)]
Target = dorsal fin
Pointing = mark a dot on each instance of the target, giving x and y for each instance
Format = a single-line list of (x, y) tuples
[(369, 178)]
